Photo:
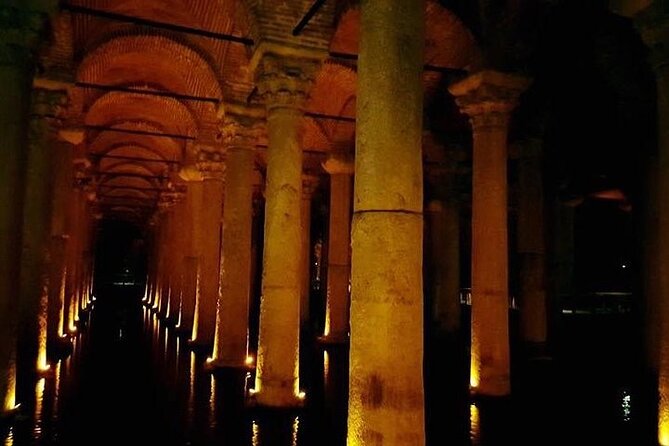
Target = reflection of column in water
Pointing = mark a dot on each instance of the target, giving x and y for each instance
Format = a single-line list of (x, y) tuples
[(191, 390), (39, 407), (212, 401), (56, 390), (474, 425), (178, 352), (326, 369), (296, 426), (255, 430)]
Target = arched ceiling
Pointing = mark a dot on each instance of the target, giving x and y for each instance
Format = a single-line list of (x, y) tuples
[(143, 94)]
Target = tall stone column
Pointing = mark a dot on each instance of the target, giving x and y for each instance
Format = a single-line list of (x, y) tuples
[(57, 339), (283, 83), (488, 98), (532, 247), (339, 249), (34, 279), (309, 185), (386, 401), (444, 229), (19, 32), (167, 255), (191, 260), (654, 25), (232, 316), (210, 164), (161, 229), (180, 244)]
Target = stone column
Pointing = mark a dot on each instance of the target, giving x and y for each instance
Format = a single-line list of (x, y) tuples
[(57, 339), (232, 316), (309, 185), (532, 247), (386, 401), (444, 229), (210, 164), (488, 98), (339, 249), (191, 260), (283, 84), (34, 284), (179, 246), (654, 25), (161, 226), (167, 255), (18, 34)]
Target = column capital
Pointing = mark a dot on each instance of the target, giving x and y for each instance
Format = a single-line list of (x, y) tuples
[(242, 126), (210, 162), (50, 106), (20, 33), (339, 164), (284, 81), (309, 185), (653, 25), (488, 97)]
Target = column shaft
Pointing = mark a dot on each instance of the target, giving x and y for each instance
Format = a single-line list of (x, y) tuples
[(204, 325), (386, 402), (339, 259), (231, 343), (191, 260), (305, 255), (277, 374), (15, 76), (531, 246)]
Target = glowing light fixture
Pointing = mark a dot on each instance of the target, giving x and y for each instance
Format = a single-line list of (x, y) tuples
[(249, 361)]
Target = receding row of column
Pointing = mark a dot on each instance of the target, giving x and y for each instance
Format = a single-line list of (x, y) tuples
[(47, 223)]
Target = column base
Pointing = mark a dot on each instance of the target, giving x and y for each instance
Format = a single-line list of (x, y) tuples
[(198, 345), (259, 401), (170, 321), (60, 348), (182, 331), (216, 365), (8, 416), (333, 339)]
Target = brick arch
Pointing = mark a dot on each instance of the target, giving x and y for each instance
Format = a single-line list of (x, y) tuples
[(150, 59), (169, 114), (166, 148), (110, 164)]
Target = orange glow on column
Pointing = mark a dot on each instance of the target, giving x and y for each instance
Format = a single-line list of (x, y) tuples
[(475, 365), (42, 318), (663, 417), (10, 398)]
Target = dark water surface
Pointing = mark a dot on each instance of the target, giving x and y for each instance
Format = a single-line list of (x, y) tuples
[(132, 381)]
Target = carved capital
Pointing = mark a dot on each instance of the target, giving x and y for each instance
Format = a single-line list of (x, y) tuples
[(488, 97), (49, 106), (210, 163), (241, 128), (285, 81), (20, 33), (339, 164)]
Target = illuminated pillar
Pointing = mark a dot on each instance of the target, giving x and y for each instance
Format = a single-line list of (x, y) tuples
[(339, 249), (531, 246), (283, 84), (57, 339), (309, 185), (179, 246), (191, 261), (33, 279), (232, 316), (19, 31), (488, 98), (167, 256), (210, 164), (654, 24), (444, 248), (386, 401)]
